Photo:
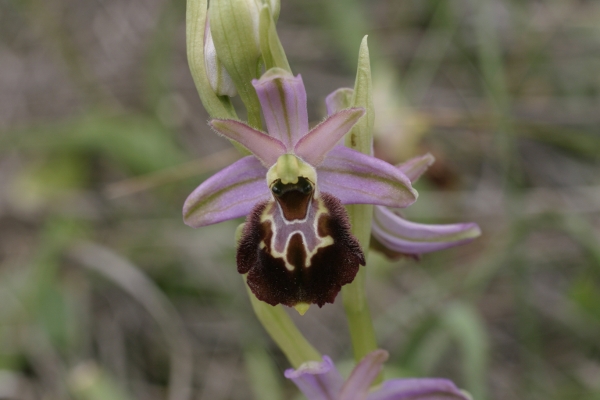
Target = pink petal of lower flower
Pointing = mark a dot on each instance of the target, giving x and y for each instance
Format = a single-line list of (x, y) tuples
[(228, 194), (418, 389), (358, 384), (357, 178), (406, 237), (313, 147), (317, 380)]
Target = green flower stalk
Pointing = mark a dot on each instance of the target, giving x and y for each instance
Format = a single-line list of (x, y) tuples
[(284, 332)]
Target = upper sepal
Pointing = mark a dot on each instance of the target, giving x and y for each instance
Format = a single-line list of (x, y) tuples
[(283, 101)]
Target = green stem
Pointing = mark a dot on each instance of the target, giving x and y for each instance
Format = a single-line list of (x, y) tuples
[(362, 332), (492, 68), (280, 326), (360, 323), (284, 332)]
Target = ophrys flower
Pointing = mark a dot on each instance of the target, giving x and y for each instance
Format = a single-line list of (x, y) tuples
[(296, 246)]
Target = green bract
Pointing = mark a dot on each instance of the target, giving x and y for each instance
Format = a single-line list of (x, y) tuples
[(272, 50), (234, 26), (360, 138), (196, 18), (218, 77)]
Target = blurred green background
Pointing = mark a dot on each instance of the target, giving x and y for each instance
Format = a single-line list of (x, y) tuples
[(106, 294)]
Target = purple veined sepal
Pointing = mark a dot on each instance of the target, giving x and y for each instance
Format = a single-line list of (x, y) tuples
[(348, 175), (230, 193), (411, 238), (395, 236), (322, 381), (283, 101), (356, 178)]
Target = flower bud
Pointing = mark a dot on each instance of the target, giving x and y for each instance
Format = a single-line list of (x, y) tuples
[(234, 29), (218, 77), (196, 29)]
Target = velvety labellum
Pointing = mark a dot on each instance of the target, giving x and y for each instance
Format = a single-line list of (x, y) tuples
[(298, 247)]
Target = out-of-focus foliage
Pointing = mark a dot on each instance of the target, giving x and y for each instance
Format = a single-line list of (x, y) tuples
[(105, 294)]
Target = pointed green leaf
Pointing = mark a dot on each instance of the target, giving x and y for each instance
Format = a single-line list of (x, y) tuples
[(264, 375), (464, 323), (361, 136)]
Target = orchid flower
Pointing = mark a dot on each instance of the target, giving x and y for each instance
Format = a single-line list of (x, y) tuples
[(397, 236), (296, 246), (322, 381)]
